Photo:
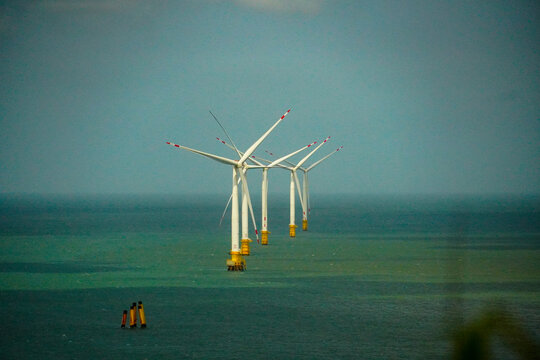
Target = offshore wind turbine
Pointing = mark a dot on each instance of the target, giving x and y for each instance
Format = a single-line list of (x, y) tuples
[(246, 204), (305, 188), (294, 180), (245, 240), (264, 191), (236, 262)]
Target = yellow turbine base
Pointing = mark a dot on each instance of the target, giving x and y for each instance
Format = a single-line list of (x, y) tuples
[(304, 224), (292, 230), (264, 237), (244, 248), (236, 262)]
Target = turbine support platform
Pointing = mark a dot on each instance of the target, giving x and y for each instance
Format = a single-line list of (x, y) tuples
[(304, 224), (264, 237), (236, 262), (244, 248), (292, 230)]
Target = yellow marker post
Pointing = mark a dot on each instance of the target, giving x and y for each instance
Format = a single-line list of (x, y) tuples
[(124, 318), (132, 317), (141, 315)]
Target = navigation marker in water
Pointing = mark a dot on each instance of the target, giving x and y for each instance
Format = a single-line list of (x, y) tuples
[(132, 317), (124, 319), (141, 315)]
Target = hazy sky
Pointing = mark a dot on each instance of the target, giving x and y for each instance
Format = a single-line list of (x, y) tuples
[(425, 96)]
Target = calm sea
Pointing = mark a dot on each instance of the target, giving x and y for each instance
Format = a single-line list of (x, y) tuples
[(374, 277)]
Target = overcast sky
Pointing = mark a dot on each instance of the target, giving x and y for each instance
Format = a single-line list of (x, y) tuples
[(425, 96)]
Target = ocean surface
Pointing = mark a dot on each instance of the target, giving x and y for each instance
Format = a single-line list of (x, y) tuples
[(374, 277)]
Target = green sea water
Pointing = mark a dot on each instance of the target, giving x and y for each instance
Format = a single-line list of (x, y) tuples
[(373, 278)]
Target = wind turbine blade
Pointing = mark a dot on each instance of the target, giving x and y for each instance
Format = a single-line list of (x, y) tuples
[(226, 134), (279, 165), (269, 162), (291, 154), (253, 147), (308, 203), (226, 144), (311, 153), (253, 158), (225, 210), (299, 190), (228, 202), (208, 155), (290, 164), (246, 189), (258, 158), (324, 158)]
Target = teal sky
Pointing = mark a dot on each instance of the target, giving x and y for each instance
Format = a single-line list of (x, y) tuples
[(425, 96)]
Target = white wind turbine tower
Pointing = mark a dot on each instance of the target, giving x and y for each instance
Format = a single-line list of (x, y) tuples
[(264, 191), (237, 262), (305, 188)]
